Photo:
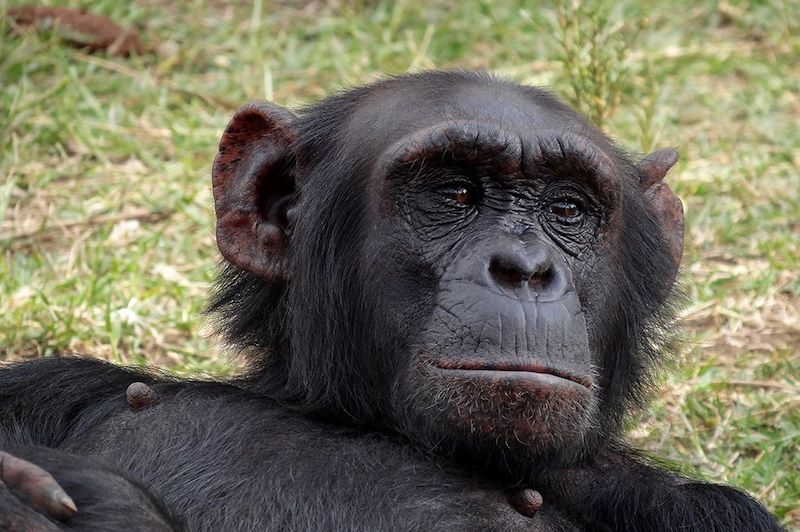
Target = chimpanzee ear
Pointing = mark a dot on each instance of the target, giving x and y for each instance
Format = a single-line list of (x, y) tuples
[(254, 186), (666, 205)]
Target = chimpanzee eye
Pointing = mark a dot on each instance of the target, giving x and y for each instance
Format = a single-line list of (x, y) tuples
[(463, 195), (565, 209)]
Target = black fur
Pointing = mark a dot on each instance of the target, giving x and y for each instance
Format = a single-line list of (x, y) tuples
[(320, 433)]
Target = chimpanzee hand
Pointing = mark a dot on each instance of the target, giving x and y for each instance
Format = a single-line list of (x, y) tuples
[(48, 490), (616, 490), (30, 498)]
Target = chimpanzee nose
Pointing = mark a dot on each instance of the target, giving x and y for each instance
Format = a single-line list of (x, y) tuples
[(527, 270)]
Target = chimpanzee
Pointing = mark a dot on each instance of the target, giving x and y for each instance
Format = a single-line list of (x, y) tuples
[(451, 290)]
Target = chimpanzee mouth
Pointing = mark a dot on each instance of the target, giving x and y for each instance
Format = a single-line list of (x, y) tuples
[(513, 370)]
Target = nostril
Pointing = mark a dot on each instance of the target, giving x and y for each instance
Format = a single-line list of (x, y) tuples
[(516, 272), (541, 279), (507, 273)]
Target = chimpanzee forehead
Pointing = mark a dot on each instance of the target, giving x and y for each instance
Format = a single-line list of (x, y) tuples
[(390, 112), (513, 107)]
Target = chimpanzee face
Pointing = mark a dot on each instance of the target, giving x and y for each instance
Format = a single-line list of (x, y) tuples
[(504, 218)]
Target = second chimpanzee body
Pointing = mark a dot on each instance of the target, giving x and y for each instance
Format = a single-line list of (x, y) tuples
[(211, 456), (450, 289)]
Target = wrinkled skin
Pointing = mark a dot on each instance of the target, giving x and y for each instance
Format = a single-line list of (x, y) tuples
[(450, 289)]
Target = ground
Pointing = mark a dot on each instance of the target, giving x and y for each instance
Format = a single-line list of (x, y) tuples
[(106, 221)]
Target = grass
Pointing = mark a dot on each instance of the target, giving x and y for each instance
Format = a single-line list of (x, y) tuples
[(105, 209)]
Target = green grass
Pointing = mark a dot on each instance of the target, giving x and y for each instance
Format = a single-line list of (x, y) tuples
[(106, 221)]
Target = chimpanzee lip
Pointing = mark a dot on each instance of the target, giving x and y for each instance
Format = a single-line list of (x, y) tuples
[(514, 368)]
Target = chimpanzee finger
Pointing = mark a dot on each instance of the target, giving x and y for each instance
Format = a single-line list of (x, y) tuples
[(36, 487), (19, 516)]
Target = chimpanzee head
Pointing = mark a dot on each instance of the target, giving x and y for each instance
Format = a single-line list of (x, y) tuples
[(457, 258)]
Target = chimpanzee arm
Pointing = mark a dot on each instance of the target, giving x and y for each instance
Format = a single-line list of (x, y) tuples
[(50, 490), (44, 404), (616, 490), (46, 401)]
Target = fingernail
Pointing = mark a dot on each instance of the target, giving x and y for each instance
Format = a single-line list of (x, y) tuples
[(67, 502)]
